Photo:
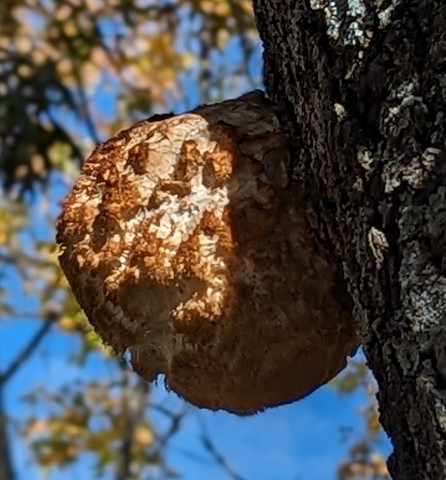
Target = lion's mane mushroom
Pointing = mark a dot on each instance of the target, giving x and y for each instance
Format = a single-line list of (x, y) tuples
[(182, 244)]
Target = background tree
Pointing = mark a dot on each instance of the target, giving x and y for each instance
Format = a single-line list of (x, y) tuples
[(72, 73)]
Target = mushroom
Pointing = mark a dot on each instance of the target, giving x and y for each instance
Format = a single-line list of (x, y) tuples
[(184, 247)]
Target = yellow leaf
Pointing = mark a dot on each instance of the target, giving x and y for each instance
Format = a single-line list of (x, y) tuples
[(144, 435), (38, 427)]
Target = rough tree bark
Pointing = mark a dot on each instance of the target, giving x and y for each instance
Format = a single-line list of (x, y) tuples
[(361, 90)]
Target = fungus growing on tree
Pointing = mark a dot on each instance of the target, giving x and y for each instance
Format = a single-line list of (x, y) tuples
[(184, 246)]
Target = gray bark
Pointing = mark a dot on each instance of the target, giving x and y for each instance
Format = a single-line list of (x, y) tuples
[(366, 115)]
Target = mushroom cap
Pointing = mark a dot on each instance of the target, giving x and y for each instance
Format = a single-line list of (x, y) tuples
[(183, 245)]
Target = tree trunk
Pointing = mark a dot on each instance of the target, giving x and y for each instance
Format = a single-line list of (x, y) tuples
[(361, 91), (6, 468)]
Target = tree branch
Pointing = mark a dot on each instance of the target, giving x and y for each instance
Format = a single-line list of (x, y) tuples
[(27, 350), (216, 455), (137, 401)]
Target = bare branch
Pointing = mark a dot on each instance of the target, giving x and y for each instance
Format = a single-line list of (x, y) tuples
[(85, 108), (28, 350), (135, 412), (216, 455)]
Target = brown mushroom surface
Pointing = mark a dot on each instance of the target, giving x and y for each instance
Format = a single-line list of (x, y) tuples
[(183, 244)]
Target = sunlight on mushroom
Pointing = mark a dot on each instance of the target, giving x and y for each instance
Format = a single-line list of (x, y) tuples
[(183, 245)]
